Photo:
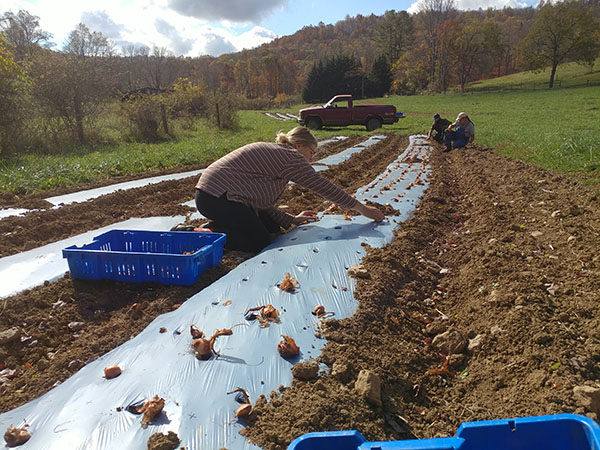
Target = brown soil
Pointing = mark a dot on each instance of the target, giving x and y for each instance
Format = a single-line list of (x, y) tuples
[(499, 252)]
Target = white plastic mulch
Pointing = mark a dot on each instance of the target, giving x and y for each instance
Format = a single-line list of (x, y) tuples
[(89, 412), (32, 268)]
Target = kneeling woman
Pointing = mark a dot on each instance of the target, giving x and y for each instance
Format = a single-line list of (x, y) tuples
[(238, 192)]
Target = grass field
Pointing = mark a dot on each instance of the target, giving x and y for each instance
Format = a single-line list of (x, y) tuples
[(558, 129)]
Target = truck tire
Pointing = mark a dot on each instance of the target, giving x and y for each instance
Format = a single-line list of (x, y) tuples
[(373, 123), (314, 123)]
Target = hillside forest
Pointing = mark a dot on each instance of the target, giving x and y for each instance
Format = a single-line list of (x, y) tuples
[(53, 100)]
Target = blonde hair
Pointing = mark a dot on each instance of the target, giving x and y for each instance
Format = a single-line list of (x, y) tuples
[(296, 136)]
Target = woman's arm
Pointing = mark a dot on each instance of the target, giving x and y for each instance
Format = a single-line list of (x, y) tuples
[(306, 176)]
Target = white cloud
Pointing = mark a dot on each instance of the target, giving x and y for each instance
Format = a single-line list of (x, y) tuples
[(217, 45), (253, 38), (238, 11), (100, 21), (178, 44), (154, 23)]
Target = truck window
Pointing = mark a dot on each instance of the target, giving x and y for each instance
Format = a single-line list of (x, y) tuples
[(340, 104)]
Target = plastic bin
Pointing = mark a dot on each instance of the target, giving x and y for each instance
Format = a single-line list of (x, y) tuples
[(138, 256), (559, 432)]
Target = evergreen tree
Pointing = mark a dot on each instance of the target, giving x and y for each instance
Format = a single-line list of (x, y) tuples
[(380, 78), (329, 77), (311, 93), (394, 34)]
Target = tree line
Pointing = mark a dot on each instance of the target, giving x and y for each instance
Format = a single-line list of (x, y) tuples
[(54, 99)]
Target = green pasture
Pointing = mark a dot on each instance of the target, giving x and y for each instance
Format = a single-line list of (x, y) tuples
[(191, 149), (555, 128)]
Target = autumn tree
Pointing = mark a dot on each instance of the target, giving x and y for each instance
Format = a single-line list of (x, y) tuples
[(513, 29), (227, 78), (271, 73), (12, 86), (160, 69), (71, 85), (560, 33), (240, 74), (255, 81), (289, 74), (22, 32), (431, 16), (471, 44), (410, 72)]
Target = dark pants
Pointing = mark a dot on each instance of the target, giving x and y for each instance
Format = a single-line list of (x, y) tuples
[(439, 137), (246, 231), (458, 138)]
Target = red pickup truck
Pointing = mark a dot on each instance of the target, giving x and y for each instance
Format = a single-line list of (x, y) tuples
[(339, 111)]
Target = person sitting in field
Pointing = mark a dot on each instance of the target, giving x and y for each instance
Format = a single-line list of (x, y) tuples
[(463, 133), (439, 125), (238, 192)]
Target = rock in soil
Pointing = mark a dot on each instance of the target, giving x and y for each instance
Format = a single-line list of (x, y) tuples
[(368, 385)]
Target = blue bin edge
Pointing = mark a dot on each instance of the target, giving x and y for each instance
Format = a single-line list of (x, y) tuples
[(353, 440)]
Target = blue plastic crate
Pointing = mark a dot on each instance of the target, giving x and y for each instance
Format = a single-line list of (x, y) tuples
[(559, 432), (138, 256)]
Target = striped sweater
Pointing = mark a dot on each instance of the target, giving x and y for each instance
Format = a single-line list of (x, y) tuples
[(257, 174)]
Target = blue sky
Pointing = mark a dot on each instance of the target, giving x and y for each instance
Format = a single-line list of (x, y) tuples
[(201, 27)]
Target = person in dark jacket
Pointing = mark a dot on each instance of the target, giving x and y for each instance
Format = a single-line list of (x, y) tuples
[(439, 126)]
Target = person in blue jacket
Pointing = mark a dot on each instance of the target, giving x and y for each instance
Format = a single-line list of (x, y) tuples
[(460, 133)]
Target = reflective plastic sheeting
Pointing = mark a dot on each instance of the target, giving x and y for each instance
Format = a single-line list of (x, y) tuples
[(89, 412), (83, 196), (8, 212), (342, 156)]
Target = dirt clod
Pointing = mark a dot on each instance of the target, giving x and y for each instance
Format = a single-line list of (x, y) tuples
[(160, 441), (306, 370)]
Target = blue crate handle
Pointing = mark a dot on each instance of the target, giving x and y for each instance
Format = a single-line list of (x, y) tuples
[(557, 432)]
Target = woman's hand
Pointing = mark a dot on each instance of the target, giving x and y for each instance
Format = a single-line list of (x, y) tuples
[(305, 217), (370, 211)]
